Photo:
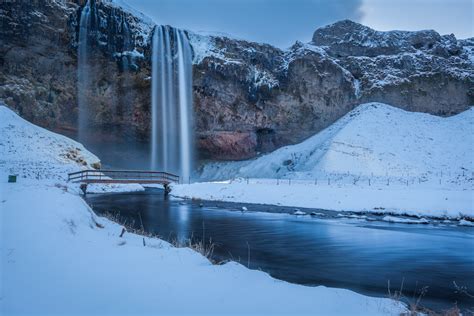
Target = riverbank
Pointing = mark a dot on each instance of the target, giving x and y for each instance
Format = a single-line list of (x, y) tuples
[(54, 246), (417, 200), (375, 159), (355, 252)]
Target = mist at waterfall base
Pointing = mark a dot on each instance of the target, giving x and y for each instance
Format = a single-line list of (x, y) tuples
[(83, 81), (170, 143)]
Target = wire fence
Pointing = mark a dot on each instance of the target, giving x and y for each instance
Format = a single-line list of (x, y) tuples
[(438, 179)]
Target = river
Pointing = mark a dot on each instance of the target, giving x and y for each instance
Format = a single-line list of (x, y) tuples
[(360, 255)]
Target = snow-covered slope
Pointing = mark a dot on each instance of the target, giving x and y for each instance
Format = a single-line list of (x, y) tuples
[(34, 152), (53, 246), (374, 139)]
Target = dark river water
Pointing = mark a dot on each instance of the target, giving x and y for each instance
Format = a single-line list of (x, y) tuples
[(363, 256)]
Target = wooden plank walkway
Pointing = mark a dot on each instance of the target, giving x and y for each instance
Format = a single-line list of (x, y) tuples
[(122, 176)]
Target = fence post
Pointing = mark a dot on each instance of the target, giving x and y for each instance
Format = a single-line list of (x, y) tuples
[(316, 181), (329, 181), (289, 181), (369, 182)]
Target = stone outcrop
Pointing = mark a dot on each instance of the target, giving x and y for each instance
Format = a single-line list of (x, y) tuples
[(249, 97)]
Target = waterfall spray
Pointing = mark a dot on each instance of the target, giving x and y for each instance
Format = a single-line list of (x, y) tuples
[(83, 84)]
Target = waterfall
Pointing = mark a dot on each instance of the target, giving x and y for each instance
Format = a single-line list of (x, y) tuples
[(185, 102), (83, 84), (172, 119)]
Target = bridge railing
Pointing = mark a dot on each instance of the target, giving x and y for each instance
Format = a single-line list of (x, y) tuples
[(122, 175)]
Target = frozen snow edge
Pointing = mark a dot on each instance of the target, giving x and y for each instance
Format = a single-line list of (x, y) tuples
[(421, 203)]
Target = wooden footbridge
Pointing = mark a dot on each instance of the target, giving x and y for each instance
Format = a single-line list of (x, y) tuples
[(84, 177)]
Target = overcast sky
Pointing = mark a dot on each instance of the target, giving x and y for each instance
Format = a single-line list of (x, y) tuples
[(282, 22)]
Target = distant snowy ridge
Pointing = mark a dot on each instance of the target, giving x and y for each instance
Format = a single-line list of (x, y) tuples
[(374, 139)]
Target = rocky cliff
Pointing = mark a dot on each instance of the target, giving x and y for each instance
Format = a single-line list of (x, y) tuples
[(257, 97), (248, 97)]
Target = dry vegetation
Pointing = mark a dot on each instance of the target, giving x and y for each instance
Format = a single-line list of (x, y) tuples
[(204, 248), (416, 308)]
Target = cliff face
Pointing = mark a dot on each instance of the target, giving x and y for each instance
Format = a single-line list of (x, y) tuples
[(418, 71), (39, 65), (248, 97), (252, 97), (37, 68)]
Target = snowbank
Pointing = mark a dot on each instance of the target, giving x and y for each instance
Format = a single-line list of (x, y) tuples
[(376, 198), (374, 140), (114, 187), (32, 152)]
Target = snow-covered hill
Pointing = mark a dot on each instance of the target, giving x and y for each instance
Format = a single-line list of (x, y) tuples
[(34, 152), (374, 140)]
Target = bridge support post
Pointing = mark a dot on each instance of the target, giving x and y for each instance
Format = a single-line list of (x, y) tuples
[(84, 188), (167, 188)]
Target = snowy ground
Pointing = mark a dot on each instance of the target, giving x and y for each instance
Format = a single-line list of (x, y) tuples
[(416, 200), (377, 158), (58, 257), (33, 152)]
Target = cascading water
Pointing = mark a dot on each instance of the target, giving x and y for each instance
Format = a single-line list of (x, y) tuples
[(172, 119), (83, 84), (185, 101)]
